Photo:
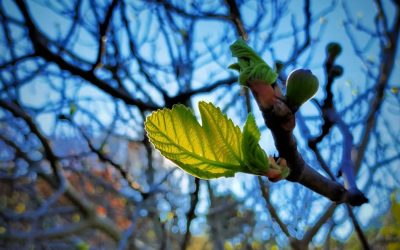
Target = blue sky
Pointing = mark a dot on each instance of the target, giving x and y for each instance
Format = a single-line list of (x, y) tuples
[(349, 85)]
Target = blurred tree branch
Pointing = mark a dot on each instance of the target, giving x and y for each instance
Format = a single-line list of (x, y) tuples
[(105, 65)]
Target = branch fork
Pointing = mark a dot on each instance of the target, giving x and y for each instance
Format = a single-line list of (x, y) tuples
[(280, 119)]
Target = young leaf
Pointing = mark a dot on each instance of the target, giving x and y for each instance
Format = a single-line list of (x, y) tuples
[(180, 138), (213, 150), (250, 65), (223, 134), (254, 156)]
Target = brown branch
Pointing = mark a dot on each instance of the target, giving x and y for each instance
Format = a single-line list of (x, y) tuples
[(135, 53), (185, 96), (17, 60), (234, 14), (307, 27), (102, 34), (382, 14), (18, 112), (281, 121), (359, 231), (194, 199), (86, 207), (207, 15), (327, 103), (330, 119), (129, 232), (215, 230), (318, 224), (104, 158), (39, 44), (312, 231), (388, 58), (75, 22), (52, 233), (271, 209)]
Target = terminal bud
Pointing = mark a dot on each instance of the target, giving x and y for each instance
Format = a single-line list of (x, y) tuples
[(301, 85)]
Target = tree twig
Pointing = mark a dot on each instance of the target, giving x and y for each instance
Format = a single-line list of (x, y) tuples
[(194, 199), (38, 42), (271, 209), (388, 58), (103, 27)]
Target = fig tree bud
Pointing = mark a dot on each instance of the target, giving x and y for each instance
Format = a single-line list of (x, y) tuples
[(336, 71), (334, 49), (278, 170), (301, 85)]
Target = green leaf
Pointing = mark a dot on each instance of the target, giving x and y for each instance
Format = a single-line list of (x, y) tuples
[(251, 65), (211, 150), (254, 156), (234, 66), (222, 133)]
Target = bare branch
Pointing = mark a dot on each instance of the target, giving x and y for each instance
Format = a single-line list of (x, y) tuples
[(52, 233), (41, 50), (194, 199), (265, 193), (103, 34), (18, 112), (234, 14), (388, 58), (281, 121), (360, 233), (309, 235)]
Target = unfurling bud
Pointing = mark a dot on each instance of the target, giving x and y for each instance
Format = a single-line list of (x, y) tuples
[(250, 65), (334, 49), (336, 71), (278, 170), (301, 85)]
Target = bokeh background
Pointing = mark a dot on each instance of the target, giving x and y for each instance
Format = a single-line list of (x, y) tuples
[(79, 77)]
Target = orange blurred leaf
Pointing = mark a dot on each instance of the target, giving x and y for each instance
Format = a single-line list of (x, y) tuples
[(101, 211)]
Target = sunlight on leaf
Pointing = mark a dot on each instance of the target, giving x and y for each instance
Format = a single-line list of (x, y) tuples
[(254, 155), (211, 150)]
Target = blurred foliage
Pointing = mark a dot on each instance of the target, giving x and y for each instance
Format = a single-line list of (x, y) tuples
[(383, 234)]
